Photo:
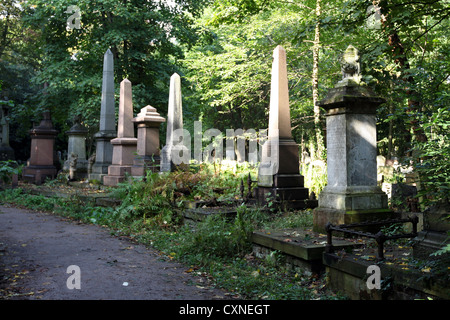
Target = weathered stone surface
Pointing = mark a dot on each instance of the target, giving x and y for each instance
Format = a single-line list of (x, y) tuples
[(148, 122), (41, 163), (174, 122), (124, 146), (351, 151), (104, 149), (278, 173)]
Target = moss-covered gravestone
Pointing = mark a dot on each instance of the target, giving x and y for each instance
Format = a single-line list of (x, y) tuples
[(352, 194)]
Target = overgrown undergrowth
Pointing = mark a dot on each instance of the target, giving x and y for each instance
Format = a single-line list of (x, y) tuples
[(218, 247)]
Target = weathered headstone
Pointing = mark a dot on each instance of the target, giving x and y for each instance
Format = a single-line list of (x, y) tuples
[(41, 163), (77, 145), (6, 152), (124, 146), (352, 194), (148, 122), (278, 176), (434, 236), (174, 123), (104, 149)]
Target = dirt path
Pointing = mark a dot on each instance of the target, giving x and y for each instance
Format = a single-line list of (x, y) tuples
[(37, 248)]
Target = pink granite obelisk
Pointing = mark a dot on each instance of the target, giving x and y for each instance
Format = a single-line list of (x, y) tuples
[(124, 146)]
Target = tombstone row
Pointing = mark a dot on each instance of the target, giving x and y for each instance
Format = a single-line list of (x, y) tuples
[(351, 143)]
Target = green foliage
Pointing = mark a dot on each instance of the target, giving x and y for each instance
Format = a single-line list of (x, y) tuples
[(7, 169)]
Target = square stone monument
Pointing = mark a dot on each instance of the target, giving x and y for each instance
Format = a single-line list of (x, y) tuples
[(352, 194), (77, 146), (104, 149), (279, 174), (124, 146), (41, 165), (148, 122)]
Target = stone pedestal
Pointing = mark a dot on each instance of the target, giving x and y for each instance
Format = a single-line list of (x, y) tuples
[(124, 146), (279, 176), (77, 145), (104, 148), (352, 194), (40, 165), (148, 122)]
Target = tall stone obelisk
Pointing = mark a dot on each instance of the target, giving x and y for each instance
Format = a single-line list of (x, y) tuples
[(174, 123), (279, 175), (124, 146), (104, 149)]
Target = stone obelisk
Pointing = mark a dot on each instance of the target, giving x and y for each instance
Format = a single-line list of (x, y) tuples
[(103, 153), (124, 146), (174, 122), (279, 176)]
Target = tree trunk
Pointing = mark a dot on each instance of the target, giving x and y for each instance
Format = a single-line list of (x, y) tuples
[(315, 85)]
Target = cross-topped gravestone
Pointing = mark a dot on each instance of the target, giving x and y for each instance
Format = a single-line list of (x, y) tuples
[(124, 146), (107, 130), (278, 175), (351, 194)]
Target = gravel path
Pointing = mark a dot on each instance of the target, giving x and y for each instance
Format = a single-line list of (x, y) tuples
[(36, 250)]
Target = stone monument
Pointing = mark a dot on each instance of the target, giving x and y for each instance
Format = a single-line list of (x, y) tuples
[(6, 152), (174, 123), (77, 145), (148, 122), (41, 165), (104, 149), (124, 146), (352, 194), (279, 175)]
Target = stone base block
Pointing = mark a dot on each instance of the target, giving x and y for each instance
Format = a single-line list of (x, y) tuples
[(321, 216), (293, 197), (38, 174), (143, 164), (428, 242), (353, 198), (116, 174)]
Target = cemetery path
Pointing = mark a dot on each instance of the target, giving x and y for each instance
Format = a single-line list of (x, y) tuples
[(36, 250)]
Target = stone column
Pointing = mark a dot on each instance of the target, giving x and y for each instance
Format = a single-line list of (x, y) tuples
[(174, 122), (124, 146), (6, 152), (77, 145), (104, 149), (352, 194), (148, 154), (279, 170), (41, 163)]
